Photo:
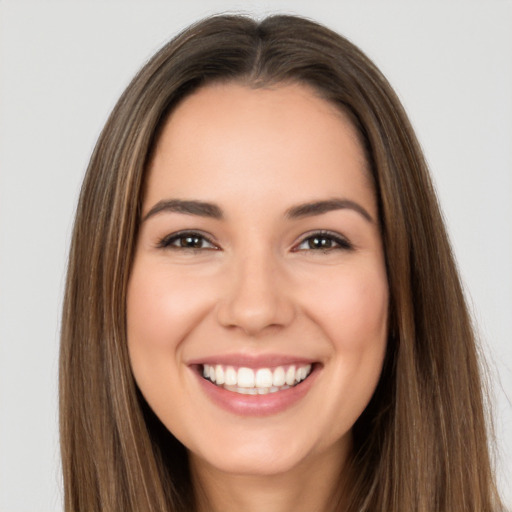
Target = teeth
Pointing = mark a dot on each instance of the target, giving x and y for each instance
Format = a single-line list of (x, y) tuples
[(245, 378), (303, 372), (230, 378), (278, 378), (255, 382), (255, 391), (290, 376), (219, 375), (264, 378)]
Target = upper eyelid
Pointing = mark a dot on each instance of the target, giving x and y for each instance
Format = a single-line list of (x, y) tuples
[(337, 237), (165, 241)]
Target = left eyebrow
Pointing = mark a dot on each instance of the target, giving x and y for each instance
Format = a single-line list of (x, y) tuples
[(320, 207)]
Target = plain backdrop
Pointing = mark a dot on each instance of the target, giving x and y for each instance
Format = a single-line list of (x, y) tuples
[(64, 64)]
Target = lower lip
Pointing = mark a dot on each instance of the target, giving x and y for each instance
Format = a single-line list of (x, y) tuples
[(257, 405)]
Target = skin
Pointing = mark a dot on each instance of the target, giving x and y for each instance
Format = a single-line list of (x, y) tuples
[(259, 288)]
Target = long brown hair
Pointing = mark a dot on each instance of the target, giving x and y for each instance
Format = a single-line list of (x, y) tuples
[(421, 444)]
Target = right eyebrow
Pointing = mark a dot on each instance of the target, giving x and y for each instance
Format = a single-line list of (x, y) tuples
[(199, 208)]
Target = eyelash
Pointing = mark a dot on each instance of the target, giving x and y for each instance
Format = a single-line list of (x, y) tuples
[(341, 243), (168, 241)]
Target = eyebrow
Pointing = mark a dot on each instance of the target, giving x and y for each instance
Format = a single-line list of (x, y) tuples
[(199, 208), (320, 207), (204, 209)]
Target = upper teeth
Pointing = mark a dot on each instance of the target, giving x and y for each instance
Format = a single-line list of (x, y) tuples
[(258, 379)]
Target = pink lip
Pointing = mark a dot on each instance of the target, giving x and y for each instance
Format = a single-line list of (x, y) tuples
[(255, 405), (251, 361)]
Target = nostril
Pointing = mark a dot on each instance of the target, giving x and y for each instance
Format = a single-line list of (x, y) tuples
[(255, 298), (254, 316)]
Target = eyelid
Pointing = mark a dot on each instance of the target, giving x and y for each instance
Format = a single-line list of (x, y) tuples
[(166, 241), (342, 242)]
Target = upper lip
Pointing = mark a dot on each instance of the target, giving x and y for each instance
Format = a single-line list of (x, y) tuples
[(252, 361)]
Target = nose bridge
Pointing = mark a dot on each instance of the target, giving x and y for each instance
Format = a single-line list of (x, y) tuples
[(255, 295)]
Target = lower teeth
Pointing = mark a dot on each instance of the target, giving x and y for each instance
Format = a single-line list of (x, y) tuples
[(255, 391)]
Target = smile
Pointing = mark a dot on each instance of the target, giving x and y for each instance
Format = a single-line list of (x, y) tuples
[(252, 381)]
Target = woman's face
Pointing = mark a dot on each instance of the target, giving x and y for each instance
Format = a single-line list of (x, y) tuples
[(259, 265)]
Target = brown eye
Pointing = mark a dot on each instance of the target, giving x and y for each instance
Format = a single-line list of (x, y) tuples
[(320, 242), (190, 242), (324, 242), (194, 241)]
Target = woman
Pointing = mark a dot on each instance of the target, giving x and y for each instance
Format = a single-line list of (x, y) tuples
[(262, 309)]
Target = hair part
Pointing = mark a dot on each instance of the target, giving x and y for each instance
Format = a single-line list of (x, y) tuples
[(421, 443)]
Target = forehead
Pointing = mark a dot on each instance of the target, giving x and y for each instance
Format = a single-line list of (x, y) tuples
[(228, 138)]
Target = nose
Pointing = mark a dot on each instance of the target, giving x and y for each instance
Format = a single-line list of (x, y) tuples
[(256, 297)]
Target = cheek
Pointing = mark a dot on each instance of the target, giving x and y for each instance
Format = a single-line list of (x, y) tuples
[(352, 308), (353, 313), (159, 304), (162, 308)]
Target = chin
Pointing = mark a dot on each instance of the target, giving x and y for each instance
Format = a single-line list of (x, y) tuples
[(256, 456)]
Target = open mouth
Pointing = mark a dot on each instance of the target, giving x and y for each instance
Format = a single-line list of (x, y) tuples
[(256, 381)]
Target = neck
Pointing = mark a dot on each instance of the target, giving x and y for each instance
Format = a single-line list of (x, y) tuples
[(314, 485)]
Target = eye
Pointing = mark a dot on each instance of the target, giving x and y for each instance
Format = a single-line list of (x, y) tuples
[(187, 240), (323, 241)]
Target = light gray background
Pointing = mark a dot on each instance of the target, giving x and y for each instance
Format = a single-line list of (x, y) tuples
[(63, 65)]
